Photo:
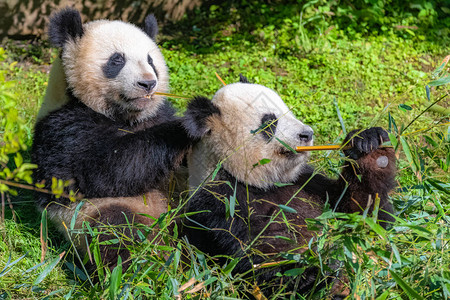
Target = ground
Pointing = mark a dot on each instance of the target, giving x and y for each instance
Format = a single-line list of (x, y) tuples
[(334, 79)]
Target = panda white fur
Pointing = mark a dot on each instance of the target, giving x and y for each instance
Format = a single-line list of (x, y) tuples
[(243, 125), (55, 95), (115, 140)]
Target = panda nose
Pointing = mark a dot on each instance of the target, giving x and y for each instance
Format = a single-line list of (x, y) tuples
[(147, 85), (306, 135)]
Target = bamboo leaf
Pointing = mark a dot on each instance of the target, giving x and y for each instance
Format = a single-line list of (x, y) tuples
[(294, 272), (48, 269), (9, 265), (392, 124), (408, 290), (98, 259), (393, 139), (341, 120), (115, 280), (396, 253), (383, 296), (231, 265), (219, 165), (286, 145), (18, 160), (440, 81), (427, 90), (376, 227), (441, 66), (439, 186), (44, 234), (233, 201), (284, 238), (201, 285), (404, 107), (287, 209), (75, 215), (232, 205), (408, 154), (262, 162), (280, 184)]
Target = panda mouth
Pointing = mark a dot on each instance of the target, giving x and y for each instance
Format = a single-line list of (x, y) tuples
[(136, 99), (146, 97), (286, 152)]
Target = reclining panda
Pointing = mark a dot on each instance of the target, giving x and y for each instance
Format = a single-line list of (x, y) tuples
[(240, 128), (115, 140)]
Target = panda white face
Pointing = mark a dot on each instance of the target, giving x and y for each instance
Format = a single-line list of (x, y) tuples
[(113, 67), (254, 126)]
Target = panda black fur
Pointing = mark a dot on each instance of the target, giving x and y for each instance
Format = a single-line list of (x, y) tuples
[(240, 127), (115, 140)]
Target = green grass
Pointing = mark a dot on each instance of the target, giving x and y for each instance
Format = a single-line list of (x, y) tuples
[(364, 76), (374, 80)]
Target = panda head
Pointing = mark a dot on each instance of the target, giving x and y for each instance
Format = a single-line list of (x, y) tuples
[(247, 127), (113, 67)]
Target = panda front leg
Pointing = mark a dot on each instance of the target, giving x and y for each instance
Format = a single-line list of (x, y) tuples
[(369, 172)]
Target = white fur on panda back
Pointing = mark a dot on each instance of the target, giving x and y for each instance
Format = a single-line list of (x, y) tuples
[(55, 94)]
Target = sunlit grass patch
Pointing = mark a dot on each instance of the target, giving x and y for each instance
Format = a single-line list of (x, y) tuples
[(372, 80)]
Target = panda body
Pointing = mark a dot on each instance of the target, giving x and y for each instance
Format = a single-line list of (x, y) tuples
[(115, 140), (240, 128)]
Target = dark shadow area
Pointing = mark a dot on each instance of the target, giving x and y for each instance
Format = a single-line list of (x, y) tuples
[(199, 24), (209, 26), (23, 19)]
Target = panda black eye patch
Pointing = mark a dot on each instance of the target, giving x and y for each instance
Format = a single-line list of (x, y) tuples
[(114, 64), (269, 126), (150, 62)]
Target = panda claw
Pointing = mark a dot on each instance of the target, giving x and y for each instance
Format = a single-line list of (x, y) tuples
[(365, 141)]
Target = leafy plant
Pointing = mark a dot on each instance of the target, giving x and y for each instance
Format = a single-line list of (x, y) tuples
[(365, 57), (13, 133)]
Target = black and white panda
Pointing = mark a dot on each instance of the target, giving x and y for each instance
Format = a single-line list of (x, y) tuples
[(115, 140), (242, 128)]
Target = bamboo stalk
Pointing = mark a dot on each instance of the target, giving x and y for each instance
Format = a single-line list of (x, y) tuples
[(327, 147), (439, 109), (220, 79), (170, 95), (313, 148)]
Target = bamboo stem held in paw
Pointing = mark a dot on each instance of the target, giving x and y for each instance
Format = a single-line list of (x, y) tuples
[(327, 147), (313, 148), (171, 95)]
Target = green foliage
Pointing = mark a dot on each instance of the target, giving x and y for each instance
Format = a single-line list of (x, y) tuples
[(22, 275), (289, 23), (406, 260), (339, 65), (364, 77), (13, 135)]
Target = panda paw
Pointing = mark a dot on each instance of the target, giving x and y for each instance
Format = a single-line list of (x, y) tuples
[(359, 143)]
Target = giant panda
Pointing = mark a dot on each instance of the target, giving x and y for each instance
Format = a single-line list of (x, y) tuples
[(240, 131), (115, 142)]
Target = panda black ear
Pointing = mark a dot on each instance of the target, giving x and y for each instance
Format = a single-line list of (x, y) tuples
[(243, 79), (151, 26), (64, 25), (197, 113)]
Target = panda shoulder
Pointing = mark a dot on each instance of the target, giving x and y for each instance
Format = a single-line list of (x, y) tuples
[(72, 114)]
